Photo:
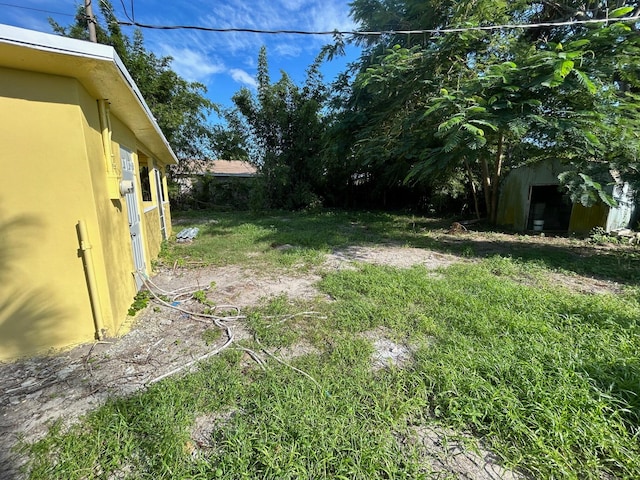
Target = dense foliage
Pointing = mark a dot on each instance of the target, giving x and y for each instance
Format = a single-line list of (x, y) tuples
[(484, 101), (284, 131), (428, 120), (450, 113)]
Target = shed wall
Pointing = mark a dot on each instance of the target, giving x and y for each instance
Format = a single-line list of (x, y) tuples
[(513, 208), (584, 219)]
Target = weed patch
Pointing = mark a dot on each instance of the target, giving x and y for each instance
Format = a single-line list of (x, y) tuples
[(140, 301)]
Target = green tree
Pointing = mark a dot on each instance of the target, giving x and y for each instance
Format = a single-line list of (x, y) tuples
[(283, 127), (486, 101), (180, 107), (498, 119)]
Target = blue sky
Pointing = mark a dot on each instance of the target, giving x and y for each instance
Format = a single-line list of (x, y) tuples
[(224, 62)]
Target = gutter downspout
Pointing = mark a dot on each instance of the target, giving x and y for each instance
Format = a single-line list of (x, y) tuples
[(94, 298)]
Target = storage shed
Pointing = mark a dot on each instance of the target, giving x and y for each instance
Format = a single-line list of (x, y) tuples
[(83, 195), (531, 198)]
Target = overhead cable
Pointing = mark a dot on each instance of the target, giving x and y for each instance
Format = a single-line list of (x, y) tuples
[(635, 18), (132, 23), (36, 9)]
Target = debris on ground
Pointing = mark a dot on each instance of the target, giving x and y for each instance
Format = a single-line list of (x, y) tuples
[(187, 235)]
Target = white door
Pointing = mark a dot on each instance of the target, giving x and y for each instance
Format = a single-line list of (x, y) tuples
[(133, 213)]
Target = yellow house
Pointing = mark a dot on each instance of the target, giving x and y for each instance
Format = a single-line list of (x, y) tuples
[(83, 195)]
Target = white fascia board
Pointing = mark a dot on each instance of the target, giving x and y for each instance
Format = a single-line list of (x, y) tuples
[(55, 43)]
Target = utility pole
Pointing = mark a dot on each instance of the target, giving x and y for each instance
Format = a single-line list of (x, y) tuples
[(91, 21)]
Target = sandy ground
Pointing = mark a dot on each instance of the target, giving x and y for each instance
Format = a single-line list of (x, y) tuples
[(65, 386)]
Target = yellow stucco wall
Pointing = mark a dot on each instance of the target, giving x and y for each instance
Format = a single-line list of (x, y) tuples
[(110, 235), (153, 233), (54, 175), (164, 202), (43, 299), (167, 216)]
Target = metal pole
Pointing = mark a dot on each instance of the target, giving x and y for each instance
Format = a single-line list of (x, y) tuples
[(91, 21)]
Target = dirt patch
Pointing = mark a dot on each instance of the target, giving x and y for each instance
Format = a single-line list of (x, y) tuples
[(391, 255), (580, 284), (238, 286), (388, 351), (205, 425), (448, 454), (67, 385)]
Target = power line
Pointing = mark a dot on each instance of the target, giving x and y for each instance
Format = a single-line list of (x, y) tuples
[(383, 32), (126, 14), (37, 9), (133, 23)]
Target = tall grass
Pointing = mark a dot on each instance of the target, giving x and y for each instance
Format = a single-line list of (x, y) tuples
[(550, 378), (229, 238)]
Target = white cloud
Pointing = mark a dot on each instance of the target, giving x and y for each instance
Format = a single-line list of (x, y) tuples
[(294, 4), (287, 49), (329, 16), (250, 61), (191, 64), (316, 15), (243, 77)]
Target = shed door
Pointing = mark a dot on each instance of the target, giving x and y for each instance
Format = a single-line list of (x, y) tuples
[(133, 213), (550, 204)]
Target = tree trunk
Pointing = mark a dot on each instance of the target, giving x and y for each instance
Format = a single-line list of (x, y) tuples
[(495, 180), (474, 190), (486, 185)]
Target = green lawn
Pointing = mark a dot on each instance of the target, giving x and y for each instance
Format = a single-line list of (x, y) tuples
[(546, 377)]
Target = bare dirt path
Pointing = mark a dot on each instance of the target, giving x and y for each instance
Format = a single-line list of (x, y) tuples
[(64, 386)]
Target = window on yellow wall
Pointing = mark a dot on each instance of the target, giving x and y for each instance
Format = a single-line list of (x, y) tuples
[(145, 183)]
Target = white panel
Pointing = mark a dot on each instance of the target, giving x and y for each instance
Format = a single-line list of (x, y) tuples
[(133, 214)]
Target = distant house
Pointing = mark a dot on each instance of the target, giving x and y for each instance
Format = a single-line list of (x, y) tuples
[(531, 199), (232, 169), (193, 171), (83, 194), (215, 182)]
